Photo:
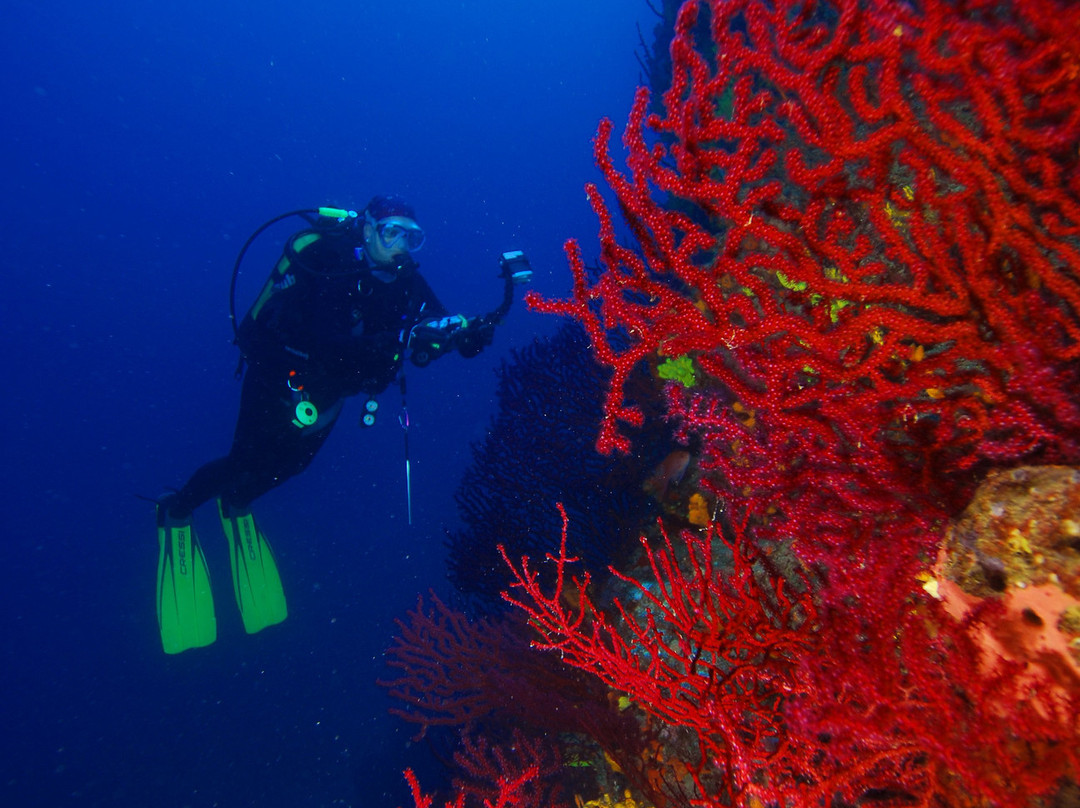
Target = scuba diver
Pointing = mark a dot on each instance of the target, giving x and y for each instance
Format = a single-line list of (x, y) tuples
[(342, 309)]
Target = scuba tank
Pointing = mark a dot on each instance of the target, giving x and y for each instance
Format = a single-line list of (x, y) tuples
[(339, 216)]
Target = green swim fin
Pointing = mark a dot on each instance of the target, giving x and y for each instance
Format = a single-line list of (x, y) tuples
[(185, 604), (256, 582)]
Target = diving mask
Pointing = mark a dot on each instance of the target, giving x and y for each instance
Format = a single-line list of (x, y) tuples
[(399, 232)]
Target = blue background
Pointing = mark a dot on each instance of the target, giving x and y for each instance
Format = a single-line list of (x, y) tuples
[(143, 143)]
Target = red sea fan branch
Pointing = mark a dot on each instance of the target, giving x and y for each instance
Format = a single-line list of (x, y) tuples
[(533, 764), (708, 649), (865, 239), (508, 790), (446, 664), (871, 190)]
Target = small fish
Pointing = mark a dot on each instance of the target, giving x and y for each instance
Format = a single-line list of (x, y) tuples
[(668, 472)]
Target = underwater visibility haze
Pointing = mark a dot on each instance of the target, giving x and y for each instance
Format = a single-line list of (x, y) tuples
[(781, 507), (142, 144)]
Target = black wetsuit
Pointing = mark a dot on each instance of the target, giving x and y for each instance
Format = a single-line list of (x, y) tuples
[(325, 327)]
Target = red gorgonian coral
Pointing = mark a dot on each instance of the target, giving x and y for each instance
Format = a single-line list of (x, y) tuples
[(865, 243), (867, 234)]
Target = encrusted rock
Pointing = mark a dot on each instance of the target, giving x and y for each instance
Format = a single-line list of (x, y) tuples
[(1019, 540), (1021, 529)]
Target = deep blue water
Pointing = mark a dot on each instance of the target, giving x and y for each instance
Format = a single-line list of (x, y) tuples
[(142, 143)]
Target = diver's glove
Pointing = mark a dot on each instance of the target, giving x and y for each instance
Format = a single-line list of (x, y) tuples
[(475, 338), (430, 339)]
